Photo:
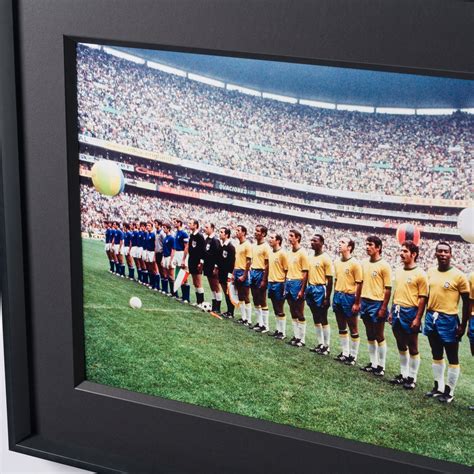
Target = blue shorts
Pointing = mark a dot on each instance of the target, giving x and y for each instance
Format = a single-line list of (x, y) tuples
[(403, 316), (470, 330), (443, 324), (292, 288), (343, 302), (256, 277), (276, 290), (369, 310), (237, 274), (314, 295)]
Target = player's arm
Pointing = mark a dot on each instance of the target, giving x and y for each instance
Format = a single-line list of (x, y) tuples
[(356, 305), (387, 281), (304, 282), (416, 323), (465, 314), (264, 282), (185, 254), (329, 285)]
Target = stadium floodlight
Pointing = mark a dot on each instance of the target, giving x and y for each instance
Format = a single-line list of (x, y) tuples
[(91, 45), (244, 90), (435, 111), (120, 54), (281, 98), (206, 80), (356, 108), (395, 111), (164, 68), (468, 111), (317, 103)]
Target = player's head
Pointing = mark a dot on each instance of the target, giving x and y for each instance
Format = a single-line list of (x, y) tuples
[(126, 226), (260, 232), (193, 225), (275, 240), (149, 226), (178, 223), (142, 225), (241, 231), (346, 245), (443, 253), (167, 228), (373, 246), (116, 225), (224, 233), (209, 228), (294, 237), (158, 224), (409, 252), (317, 242)]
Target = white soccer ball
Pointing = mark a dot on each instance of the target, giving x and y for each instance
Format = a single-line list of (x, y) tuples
[(466, 224), (206, 306), (135, 302)]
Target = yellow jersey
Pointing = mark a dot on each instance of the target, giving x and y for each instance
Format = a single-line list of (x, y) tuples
[(297, 263), (409, 286), (260, 253), (277, 265), (242, 252), (376, 277), (348, 273), (320, 267), (445, 289)]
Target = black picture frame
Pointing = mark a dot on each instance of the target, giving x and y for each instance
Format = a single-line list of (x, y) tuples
[(52, 412)]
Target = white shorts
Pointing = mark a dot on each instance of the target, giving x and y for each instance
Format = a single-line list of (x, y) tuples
[(167, 263), (134, 252), (107, 247), (139, 252), (149, 256), (178, 258), (117, 249), (126, 251)]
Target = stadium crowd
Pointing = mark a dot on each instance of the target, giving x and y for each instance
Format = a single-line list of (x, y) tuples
[(130, 104)]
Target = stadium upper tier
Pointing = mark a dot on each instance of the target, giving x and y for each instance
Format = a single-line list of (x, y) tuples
[(398, 158)]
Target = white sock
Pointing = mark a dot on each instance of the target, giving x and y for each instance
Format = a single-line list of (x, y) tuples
[(404, 363), (302, 330), (344, 341), (200, 290), (414, 365), (372, 347), (248, 311), (318, 328), (294, 323), (242, 310), (327, 335), (382, 353), (219, 296), (258, 315), (265, 317), (453, 374), (355, 343), (282, 322), (438, 373)]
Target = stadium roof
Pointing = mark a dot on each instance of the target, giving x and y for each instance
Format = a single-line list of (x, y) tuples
[(324, 83)]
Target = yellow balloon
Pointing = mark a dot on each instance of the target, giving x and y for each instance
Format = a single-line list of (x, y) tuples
[(107, 178)]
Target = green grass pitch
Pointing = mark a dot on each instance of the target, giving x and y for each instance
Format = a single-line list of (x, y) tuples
[(174, 351)]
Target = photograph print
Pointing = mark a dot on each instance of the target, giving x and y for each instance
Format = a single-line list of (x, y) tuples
[(284, 241)]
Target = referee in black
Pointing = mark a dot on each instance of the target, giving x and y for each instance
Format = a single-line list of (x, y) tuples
[(211, 255), (196, 258), (225, 266)]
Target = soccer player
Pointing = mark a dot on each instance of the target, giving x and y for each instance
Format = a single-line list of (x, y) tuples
[(118, 250), (108, 244), (127, 242), (297, 277), (225, 266), (135, 249), (470, 331), (277, 269), (181, 241), (318, 293), (241, 274), (210, 268), (409, 301), (168, 258), (160, 236), (447, 285), (259, 278), (149, 255), (195, 249), (376, 291), (348, 287), (141, 240)]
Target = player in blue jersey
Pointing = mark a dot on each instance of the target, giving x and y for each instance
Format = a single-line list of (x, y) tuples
[(149, 255), (134, 245), (142, 272), (127, 243), (160, 236), (108, 241), (118, 250), (167, 280), (181, 239)]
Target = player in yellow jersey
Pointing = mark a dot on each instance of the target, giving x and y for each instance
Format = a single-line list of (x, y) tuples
[(277, 269), (241, 275), (470, 331), (409, 301), (318, 293), (375, 295), (348, 287), (259, 278), (447, 285), (296, 279)]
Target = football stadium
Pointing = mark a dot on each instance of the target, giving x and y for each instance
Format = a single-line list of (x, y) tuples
[(273, 154)]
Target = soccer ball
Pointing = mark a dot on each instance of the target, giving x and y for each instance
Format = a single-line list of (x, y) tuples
[(206, 306), (408, 232), (466, 224), (135, 302), (107, 177)]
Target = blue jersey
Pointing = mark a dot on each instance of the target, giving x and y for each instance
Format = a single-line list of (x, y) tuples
[(168, 245), (180, 239), (150, 241), (135, 238), (141, 238), (127, 237), (118, 236), (108, 236)]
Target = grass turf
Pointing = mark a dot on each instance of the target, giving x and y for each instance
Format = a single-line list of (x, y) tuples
[(175, 351)]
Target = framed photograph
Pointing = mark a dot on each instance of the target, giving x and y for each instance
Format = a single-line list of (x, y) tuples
[(237, 236)]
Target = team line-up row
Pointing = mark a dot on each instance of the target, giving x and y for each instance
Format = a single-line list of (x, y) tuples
[(265, 270)]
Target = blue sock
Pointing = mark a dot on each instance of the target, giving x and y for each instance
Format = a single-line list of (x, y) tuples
[(157, 281), (186, 290), (122, 269), (164, 285), (145, 277), (111, 263), (131, 273), (151, 276), (140, 277)]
